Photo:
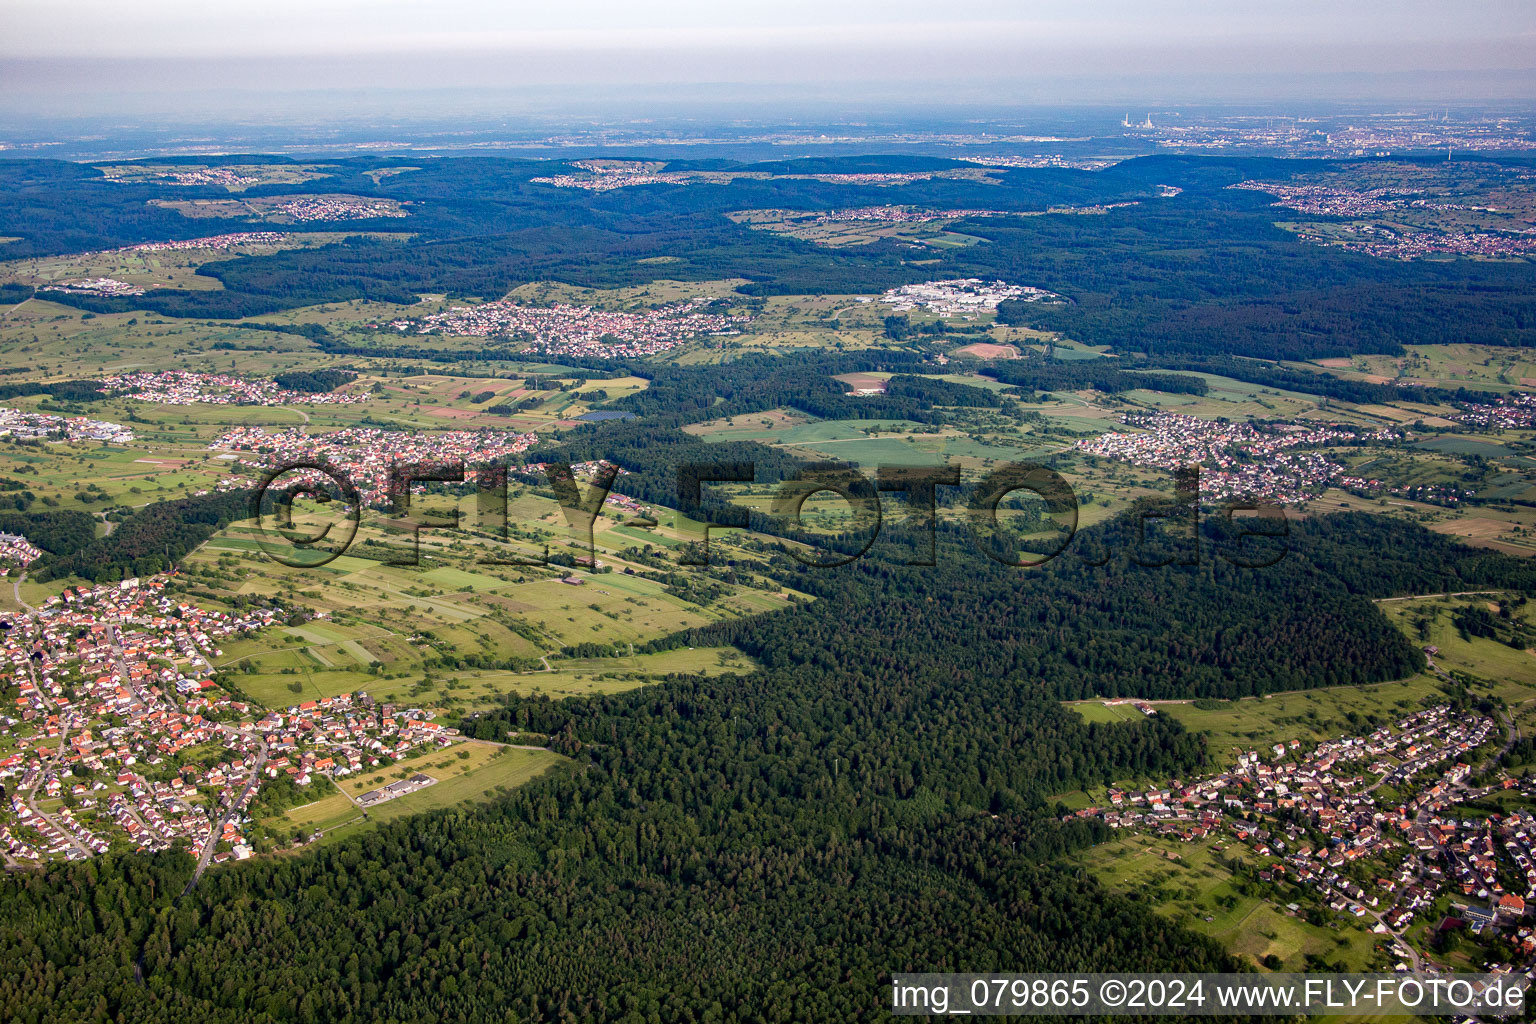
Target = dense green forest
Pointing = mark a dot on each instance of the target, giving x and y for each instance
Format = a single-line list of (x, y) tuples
[(1125, 611), (1107, 375), (57, 532), (147, 540), (314, 380), (65, 390)]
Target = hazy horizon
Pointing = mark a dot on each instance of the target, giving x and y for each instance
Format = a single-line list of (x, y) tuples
[(173, 59)]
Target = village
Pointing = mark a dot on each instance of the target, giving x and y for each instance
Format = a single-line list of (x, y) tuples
[(1323, 201), (564, 329), (602, 178), (118, 738), (1378, 240), (1392, 241), (17, 551), (329, 207), (899, 214), (220, 243), (224, 176), (182, 387), (1515, 411), (367, 456), (892, 214), (1368, 827), (1334, 137), (1236, 459)]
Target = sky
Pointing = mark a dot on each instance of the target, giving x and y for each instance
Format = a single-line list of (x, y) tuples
[(100, 51)]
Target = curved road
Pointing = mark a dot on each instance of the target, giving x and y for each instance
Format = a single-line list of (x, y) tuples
[(16, 583)]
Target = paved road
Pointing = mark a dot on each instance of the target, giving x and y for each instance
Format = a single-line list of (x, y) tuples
[(1414, 962), (115, 638), (1459, 793), (1448, 593), (31, 802), (16, 583), (363, 810), (66, 833), (206, 857), (57, 755)]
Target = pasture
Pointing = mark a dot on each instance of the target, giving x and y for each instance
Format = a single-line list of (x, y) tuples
[(1191, 883), (467, 771)]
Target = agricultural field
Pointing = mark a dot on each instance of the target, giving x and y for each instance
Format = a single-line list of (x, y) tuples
[(762, 426), (660, 292), (1232, 399), (490, 769), (1448, 365), (870, 443), (62, 342), (1505, 671), (1313, 715), (435, 402), (579, 677), (387, 628), (1509, 528), (1308, 715), (1447, 198), (1200, 883), (975, 438), (839, 322), (94, 477), (537, 631)]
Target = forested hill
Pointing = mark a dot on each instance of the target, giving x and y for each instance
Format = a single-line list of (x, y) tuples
[(1380, 556), (1132, 627), (1208, 272), (147, 540)]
